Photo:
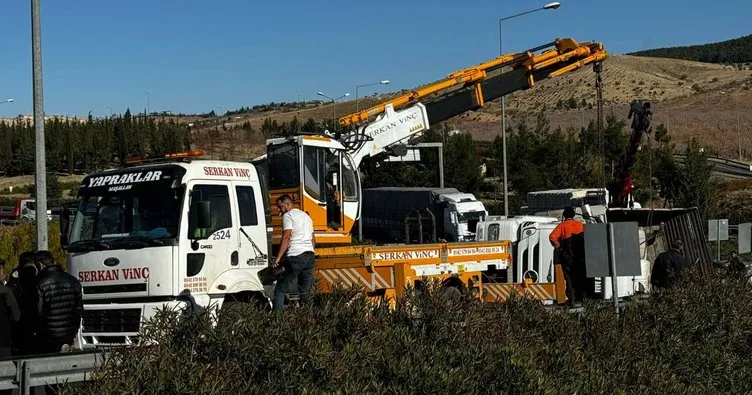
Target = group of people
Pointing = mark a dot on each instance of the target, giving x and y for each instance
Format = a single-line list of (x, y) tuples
[(568, 240), (43, 306)]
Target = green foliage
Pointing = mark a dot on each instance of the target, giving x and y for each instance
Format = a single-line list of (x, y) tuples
[(737, 50), (693, 339), (75, 146), (542, 158), (571, 103), (693, 187), (22, 237), (461, 164), (54, 190)]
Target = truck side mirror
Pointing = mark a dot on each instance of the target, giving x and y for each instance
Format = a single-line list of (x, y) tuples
[(64, 227), (203, 214)]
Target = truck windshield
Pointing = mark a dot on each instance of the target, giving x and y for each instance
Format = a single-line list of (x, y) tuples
[(471, 216), (136, 218)]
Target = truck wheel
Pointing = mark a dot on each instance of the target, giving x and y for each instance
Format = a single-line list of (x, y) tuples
[(452, 293), (453, 288)]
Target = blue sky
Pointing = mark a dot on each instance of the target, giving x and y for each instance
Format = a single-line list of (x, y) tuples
[(195, 56)]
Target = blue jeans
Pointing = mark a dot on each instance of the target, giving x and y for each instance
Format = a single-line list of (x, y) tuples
[(300, 268)]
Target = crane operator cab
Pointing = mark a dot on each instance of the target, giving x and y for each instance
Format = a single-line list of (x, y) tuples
[(320, 176)]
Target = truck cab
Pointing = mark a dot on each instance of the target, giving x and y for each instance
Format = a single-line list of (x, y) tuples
[(179, 235), (461, 215), (533, 254)]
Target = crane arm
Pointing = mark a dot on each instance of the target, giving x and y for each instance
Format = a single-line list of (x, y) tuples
[(621, 186), (463, 90)]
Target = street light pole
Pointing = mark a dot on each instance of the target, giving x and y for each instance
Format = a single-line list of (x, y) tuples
[(6, 101), (333, 101), (382, 82), (549, 6), (40, 175), (738, 128)]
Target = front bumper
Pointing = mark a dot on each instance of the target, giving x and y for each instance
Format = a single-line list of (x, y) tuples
[(117, 324)]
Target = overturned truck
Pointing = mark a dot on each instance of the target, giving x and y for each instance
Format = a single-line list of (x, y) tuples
[(533, 256)]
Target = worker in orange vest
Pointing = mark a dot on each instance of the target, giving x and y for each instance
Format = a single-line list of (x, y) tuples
[(569, 243)]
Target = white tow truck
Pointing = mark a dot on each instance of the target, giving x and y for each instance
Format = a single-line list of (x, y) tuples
[(180, 233)]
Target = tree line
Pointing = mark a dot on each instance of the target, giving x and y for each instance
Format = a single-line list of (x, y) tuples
[(738, 50), (82, 146)]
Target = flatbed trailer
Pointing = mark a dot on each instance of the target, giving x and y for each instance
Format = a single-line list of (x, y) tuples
[(387, 271), (546, 293)]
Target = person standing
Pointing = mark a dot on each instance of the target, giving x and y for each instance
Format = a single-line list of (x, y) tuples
[(569, 244), (668, 267), (736, 268), (24, 287), (60, 305), (296, 252), (3, 273), (9, 317)]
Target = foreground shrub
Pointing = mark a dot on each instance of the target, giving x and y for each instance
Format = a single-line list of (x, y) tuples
[(16, 239), (694, 339)]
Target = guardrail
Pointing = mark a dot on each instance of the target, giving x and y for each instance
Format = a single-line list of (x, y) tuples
[(726, 167), (27, 372)]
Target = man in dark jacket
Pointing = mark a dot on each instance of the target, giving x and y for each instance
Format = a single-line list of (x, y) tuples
[(60, 305), (24, 286), (668, 266), (9, 316), (736, 268)]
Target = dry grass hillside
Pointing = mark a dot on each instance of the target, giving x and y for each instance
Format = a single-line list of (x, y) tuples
[(692, 98)]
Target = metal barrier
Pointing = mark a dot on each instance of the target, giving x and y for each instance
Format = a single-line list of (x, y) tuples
[(31, 371)]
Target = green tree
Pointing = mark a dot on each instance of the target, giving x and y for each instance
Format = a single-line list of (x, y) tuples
[(462, 163), (54, 191), (572, 103), (692, 186)]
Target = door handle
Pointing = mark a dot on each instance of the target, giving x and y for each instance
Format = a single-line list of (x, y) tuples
[(321, 204), (234, 258)]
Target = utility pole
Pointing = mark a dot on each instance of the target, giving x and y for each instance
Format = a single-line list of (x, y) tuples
[(40, 174), (550, 6)]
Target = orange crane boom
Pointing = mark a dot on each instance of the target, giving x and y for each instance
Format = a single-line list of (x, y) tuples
[(527, 67)]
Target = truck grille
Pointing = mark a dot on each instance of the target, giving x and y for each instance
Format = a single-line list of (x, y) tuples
[(111, 321)]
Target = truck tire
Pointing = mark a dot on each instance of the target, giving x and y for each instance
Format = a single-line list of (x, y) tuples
[(452, 293)]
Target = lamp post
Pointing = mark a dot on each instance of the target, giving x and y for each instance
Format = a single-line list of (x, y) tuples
[(382, 82), (6, 101), (333, 100), (549, 6), (738, 129), (40, 168)]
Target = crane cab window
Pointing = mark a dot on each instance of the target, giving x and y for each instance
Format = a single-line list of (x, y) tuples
[(219, 206), (284, 170), (349, 179), (333, 191), (314, 172)]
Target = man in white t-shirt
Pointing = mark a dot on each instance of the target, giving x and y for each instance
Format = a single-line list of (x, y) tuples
[(297, 249)]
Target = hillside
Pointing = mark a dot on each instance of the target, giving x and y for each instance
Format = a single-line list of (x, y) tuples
[(692, 98), (737, 50)]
